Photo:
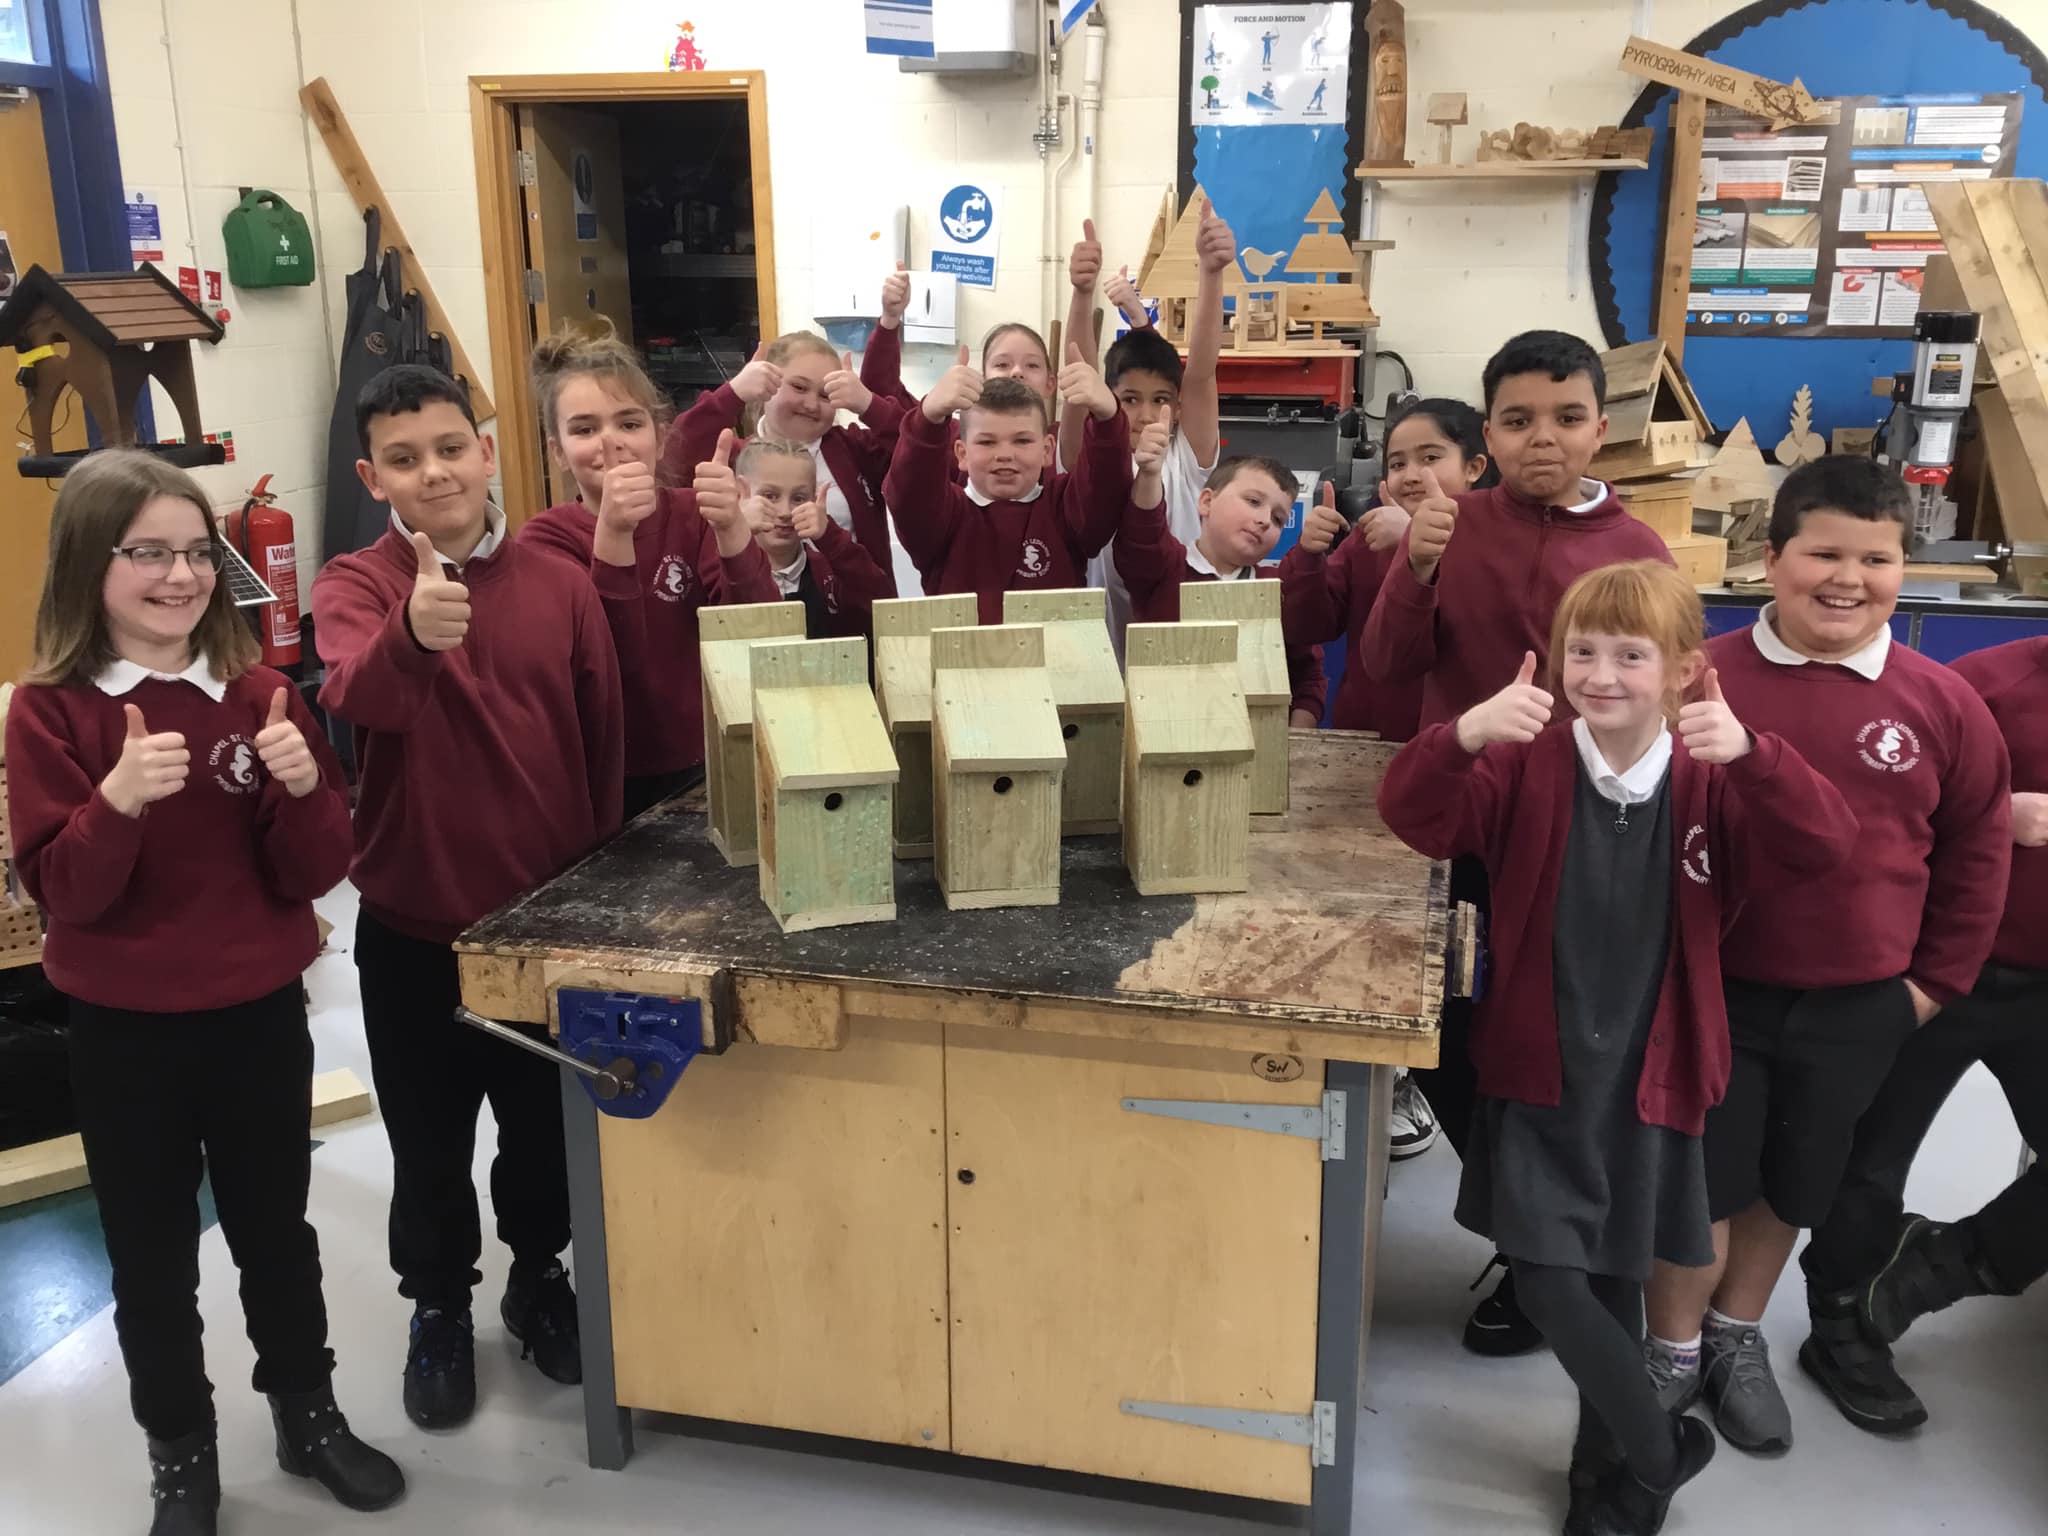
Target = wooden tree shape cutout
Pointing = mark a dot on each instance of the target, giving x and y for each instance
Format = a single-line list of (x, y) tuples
[(1802, 445)]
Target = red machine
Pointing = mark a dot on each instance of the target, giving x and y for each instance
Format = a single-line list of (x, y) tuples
[(261, 533)]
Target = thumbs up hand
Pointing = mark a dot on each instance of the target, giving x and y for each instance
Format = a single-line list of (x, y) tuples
[(759, 379), (629, 495), (1080, 384), (1429, 532), (1709, 729), (844, 390), (1215, 243), (1383, 526), (1084, 266), (282, 748), (150, 768), (1517, 713), (958, 388), (895, 297), (438, 611), (1123, 293), (1148, 448), (1324, 525), (718, 498)]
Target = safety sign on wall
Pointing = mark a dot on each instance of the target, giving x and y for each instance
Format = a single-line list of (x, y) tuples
[(1269, 64), (964, 233)]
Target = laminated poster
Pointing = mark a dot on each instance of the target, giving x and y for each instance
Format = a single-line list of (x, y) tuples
[(1256, 64)]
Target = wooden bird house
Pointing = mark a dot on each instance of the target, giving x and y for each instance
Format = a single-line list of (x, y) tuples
[(1321, 256), (903, 686), (823, 770), (1188, 755), (1654, 420), (1254, 606), (1444, 111), (1174, 275), (997, 759), (1089, 692), (726, 637), (109, 334)]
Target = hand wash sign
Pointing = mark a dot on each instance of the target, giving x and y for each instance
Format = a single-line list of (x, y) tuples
[(964, 236)]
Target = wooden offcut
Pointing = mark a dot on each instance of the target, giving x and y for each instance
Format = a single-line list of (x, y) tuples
[(726, 637), (1681, 220), (1664, 505), (1090, 694), (903, 688), (1188, 756), (997, 760), (823, 772), (1254, 607), (1702, 558)]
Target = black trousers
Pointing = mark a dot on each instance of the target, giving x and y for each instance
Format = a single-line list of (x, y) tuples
[(1452, 1085), (161, 1097), (2004, 1024), (432, 1077)]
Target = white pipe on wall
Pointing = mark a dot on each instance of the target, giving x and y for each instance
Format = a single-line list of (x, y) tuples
[(1095, 42)]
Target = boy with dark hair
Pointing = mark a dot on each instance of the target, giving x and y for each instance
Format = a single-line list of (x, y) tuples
[(1008, 528), (1825, 984), (480, 680)]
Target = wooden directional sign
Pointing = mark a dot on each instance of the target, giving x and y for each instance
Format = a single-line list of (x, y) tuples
[(1783, 105)]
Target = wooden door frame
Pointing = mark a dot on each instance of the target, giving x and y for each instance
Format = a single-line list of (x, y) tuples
[(494, 128)]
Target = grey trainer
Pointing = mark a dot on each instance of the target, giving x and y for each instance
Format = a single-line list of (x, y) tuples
[(1676, 1390), (1749, 1410)]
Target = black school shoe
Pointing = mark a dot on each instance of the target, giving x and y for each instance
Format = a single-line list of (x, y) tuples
[(1630, 1507), (539, 1310), (314, 1440), (1931, 1267), (184, 1484), (440, 1367), (1855, 1370), (1596, 1461), (1498, 1326)]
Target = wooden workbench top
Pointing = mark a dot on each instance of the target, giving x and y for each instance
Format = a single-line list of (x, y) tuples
[(1336, 950)]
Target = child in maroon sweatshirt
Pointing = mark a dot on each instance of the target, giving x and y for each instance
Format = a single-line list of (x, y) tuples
[(484, 692), (1619, 850), (1825, 985), (1871, 1270), (811, 558), (174, 814), (657, 554), (1243, 509), (1008, 528)]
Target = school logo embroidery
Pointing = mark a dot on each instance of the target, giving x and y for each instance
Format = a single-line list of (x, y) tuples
[(1694, 860), (1889, 746), (233, 761), (673, 579), (1036, 560)]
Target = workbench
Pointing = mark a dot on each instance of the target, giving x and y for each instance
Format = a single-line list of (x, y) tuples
[(1093, 1186)]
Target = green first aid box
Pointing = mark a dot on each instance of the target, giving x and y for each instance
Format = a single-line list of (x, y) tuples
[(268, 243)]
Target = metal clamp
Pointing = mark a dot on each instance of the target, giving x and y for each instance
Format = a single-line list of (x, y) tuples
[(628, 1049)]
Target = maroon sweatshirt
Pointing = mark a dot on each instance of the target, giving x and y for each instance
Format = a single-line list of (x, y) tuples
[(2013, 680), (1495, 594), (652, 611), (1765, 820), (840, 584), (1328, 597), (205, 900), (1153, 564), (858, 460), (881, 370), (484, 770), (1920, 761), (1006, 546)]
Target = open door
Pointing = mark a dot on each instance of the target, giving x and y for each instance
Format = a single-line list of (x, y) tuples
[(575, 209)]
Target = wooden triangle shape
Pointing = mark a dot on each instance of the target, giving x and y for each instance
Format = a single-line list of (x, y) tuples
[(1738, 473), (1326, 211), (1176, 272)]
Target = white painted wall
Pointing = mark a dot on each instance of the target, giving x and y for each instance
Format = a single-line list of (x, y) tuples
[(1473, 264)]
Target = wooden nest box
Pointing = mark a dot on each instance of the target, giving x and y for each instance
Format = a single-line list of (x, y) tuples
[(903, 685), (112, 333), (823, 769), (1187, 760), (1088, 690), (1654, 420), (726, 638), (997, 760), (1254, 606)]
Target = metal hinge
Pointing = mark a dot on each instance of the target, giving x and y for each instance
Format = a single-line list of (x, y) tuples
[(528, 168), (1316, 1429), (536, 287), (1324, 1123)]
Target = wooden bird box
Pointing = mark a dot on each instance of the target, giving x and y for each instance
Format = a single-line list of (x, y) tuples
[(1188, 755), (726, 638), (823, 770), (1254, 606), (997, 760), (903, 686), (1654, 420), (1089, 692)]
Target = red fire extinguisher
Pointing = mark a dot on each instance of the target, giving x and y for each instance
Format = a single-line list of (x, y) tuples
[(262, 532)]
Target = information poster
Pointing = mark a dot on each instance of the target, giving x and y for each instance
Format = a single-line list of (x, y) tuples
[(1270, 64), (1823, 229), (965, 233)]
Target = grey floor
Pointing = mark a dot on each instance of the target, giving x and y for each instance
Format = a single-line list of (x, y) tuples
[(1450, 1444)]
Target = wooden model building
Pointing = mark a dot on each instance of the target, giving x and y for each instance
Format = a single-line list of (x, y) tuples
[(824, 768), (1446, 110), (1089, 692), (903, 686), (1172, 275), (1325, 254), (726, 640), (1254, 607), (1187, 760), (997, 759), (112, 332), (1655, 428)]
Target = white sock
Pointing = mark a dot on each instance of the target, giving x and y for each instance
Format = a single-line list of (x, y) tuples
[(1721, 1322), (1677, 1357)]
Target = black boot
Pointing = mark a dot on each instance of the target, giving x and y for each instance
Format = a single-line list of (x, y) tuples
[(1631, 1507), (539, 1310), (1596, 1461), (1932, 1266), (1855, 1370), (440, 1367), (1498, 1326), (184, 1482), (314, 1440)]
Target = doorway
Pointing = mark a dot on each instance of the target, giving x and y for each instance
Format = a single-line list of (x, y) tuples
[(641, 199)]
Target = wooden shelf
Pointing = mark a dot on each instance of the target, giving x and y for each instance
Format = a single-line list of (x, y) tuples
[(1498, 170)]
